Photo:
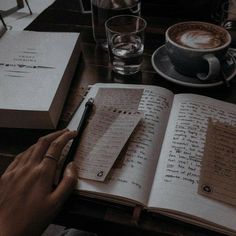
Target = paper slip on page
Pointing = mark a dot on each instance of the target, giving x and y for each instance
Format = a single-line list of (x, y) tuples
[(218, 168), (120, 98), (102, 141)]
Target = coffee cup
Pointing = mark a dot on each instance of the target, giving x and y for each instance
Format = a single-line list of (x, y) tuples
[(197, 48)]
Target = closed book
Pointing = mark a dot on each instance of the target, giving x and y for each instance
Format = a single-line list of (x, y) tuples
[(36, 69)]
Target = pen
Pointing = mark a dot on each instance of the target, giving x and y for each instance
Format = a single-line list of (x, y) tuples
[(82, 124)]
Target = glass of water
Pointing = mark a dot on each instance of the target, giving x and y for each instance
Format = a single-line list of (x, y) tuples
[(125, 36)]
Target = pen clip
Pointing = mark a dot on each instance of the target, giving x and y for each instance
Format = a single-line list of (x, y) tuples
[(89, 102)]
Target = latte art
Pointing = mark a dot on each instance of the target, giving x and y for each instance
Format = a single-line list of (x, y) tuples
[(198, 39), (196, 49)]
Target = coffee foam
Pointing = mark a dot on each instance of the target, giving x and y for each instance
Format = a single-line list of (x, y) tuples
[(198, 35), (198, 39)]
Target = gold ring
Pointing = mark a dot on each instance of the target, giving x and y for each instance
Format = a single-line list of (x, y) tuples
[(51, 157)]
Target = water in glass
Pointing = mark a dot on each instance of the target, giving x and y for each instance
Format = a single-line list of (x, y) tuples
[(126, 55)]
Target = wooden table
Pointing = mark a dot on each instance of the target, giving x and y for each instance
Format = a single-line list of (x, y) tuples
[(93, 67)]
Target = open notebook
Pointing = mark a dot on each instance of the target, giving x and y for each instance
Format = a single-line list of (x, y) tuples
[(159, 167)]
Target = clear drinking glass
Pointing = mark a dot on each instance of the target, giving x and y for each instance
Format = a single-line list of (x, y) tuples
[(125, 35), (104, 9)]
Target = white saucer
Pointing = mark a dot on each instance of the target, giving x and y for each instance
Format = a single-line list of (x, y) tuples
[(161, 63)]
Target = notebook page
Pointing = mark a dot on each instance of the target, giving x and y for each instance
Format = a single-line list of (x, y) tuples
[(132, 178), (176, 181)]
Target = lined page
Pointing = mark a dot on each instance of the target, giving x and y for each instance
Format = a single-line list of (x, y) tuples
[(176, 181), (133, 175)]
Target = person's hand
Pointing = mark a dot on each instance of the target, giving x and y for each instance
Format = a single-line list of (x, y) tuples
[(28, 200)]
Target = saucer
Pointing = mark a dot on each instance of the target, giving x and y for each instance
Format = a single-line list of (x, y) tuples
[(163, 66)]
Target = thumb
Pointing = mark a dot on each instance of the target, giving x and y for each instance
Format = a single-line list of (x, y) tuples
[(67, 184)]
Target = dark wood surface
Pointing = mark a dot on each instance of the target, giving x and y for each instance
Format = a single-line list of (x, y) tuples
[(93, 67)]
